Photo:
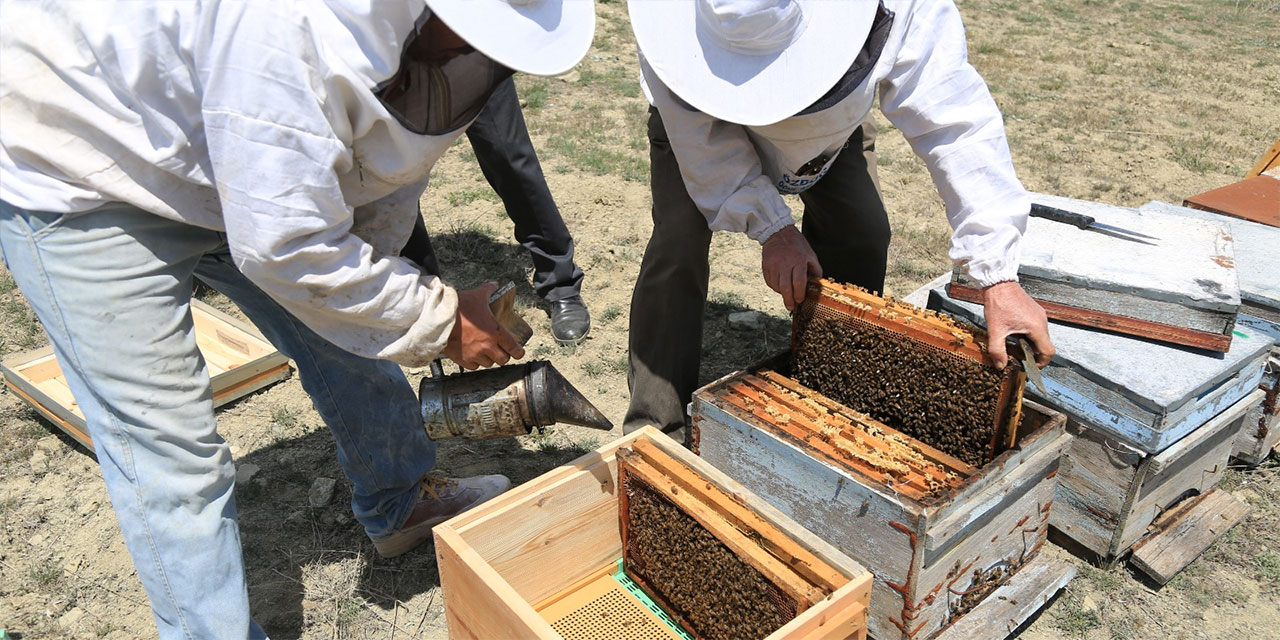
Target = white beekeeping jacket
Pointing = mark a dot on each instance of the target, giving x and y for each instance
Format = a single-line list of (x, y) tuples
[(735, 174), (256, 118)]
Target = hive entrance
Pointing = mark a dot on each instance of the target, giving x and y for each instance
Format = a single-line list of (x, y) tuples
[(912, 370)]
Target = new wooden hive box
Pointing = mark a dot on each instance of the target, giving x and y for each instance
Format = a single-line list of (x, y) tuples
[(1155, 425), (542, 560)]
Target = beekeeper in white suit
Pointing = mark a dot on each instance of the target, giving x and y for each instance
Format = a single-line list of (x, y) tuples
[(275, 150), (753, 99)]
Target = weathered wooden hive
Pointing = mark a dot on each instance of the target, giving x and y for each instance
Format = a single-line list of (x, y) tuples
[(1154, 426), (940, 534), (641, 539), (1258, 266)]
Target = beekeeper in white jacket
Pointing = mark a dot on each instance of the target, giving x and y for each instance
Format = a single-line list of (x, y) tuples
[(753, 99), (275, 150)]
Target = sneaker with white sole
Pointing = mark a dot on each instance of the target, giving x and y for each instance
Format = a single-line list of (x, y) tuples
[(439, 499)]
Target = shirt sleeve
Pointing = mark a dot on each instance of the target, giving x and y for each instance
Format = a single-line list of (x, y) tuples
[(276, 157), (943, 108), (720, 167)]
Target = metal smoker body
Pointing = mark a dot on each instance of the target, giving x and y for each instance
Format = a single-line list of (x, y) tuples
[(502, 402)]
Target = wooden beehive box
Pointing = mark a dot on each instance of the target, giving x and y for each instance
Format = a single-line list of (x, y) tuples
[(240, 362), (537, 561), (1180, 288), (1154, 424), (938, 534), (1260, 434)]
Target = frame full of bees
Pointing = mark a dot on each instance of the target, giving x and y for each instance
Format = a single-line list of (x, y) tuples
[(641, 539), (941, 528), (911, 369)]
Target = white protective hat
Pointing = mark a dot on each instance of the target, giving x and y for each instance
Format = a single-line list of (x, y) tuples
[(752, 62), (541, 37)]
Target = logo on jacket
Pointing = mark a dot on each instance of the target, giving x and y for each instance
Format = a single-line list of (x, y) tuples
[(804, 177)]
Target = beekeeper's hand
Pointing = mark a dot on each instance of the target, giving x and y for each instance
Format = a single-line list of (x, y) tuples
[(477, 339), (788, 261), (1010, 311)]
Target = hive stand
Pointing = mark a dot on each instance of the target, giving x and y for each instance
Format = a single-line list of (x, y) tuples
[(504, 563), (239, 359)]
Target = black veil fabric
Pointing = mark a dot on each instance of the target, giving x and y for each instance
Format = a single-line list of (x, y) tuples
[(436, 96)]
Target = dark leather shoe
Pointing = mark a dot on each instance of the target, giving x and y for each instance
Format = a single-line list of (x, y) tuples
[(570, 320)]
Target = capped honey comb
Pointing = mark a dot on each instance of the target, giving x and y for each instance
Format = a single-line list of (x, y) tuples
[(913, 370)]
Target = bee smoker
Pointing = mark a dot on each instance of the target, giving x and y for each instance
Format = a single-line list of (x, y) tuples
[(502, 402)]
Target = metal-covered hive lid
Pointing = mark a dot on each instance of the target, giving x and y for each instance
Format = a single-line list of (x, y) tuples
[(1146, 393), (1257, 250)]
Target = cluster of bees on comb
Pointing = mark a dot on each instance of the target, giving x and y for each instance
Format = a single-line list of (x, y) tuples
[(718, 595), (945, 400)]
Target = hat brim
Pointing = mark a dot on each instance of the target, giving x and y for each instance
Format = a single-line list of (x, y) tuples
[(543, 38), (752, 90)]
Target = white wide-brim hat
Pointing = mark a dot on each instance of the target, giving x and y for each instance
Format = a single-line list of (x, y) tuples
[(752, 62), (542, 37)]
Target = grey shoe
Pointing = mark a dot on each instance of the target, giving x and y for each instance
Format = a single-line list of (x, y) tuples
[(439, 499)]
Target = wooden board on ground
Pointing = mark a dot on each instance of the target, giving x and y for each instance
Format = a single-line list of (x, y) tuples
[(1256, 199), (1257, 258), (1182, 534), (239, 359), (937, 544), (1002, 612), (504, 563), (1180, 288), (1142, 393)]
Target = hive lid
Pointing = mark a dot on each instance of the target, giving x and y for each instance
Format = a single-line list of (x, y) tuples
[(1257, 249), (1158, 382), (1189, 263)]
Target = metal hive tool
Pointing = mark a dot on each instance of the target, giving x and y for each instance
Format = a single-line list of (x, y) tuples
[(913, 370)]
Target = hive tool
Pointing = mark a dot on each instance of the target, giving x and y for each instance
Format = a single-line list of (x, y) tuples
[(1088, 223)]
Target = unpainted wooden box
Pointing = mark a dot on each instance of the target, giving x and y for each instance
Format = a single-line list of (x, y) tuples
[(505, 564), (934, 556), (239, 359)]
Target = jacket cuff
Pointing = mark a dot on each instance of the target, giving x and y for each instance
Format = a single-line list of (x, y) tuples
[(774, 227), (991, 272)]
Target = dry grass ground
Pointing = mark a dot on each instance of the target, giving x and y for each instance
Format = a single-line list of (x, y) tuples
[(1111, 100)]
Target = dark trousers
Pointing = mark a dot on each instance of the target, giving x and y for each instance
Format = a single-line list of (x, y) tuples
[(505, 154), (844, 221)]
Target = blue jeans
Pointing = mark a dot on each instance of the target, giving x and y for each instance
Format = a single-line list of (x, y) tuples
[(112, 287)]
